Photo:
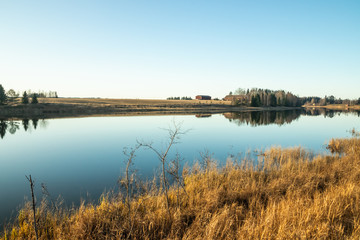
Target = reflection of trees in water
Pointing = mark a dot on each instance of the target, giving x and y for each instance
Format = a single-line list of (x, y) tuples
[(3, 127), (35, 123), (25, 123), (257, 118), (12, 126), (329, 112)]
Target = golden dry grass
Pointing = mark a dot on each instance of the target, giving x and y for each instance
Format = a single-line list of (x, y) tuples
[(290, 194), (104, 101)]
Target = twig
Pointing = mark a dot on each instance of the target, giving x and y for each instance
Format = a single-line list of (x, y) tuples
[(33, 203)]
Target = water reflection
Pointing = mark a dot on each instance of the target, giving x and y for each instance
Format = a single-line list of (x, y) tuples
[(12, 126), (25, 123), (329, 112), (257, 118), (253, 118)]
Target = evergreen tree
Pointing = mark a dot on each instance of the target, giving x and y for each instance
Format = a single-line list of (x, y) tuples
[(34, 99), (272, 100), (25, 98), (255, 101), (3, 97)]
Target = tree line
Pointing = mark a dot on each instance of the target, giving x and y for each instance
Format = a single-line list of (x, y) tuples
[(11, 95), (329, 100), (178, 98), (257, 97)]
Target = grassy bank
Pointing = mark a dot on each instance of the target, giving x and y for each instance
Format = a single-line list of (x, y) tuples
[(291, 194)]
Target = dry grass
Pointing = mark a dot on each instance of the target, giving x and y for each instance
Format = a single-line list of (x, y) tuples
[(127, 102), (290, 194)]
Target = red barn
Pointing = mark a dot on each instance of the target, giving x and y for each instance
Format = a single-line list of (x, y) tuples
[(203, 97)]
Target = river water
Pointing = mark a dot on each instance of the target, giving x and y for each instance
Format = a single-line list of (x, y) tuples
[(80, 158)]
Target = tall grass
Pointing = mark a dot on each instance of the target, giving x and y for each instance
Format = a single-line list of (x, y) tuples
[(290, 194)]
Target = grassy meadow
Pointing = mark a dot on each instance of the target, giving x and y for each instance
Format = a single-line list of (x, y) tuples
[(290, 194)]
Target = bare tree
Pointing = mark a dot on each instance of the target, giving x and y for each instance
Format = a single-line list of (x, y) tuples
[(128, 180), (33, 202), (174, 171), (12, 94), (207, 163), (174, 135)]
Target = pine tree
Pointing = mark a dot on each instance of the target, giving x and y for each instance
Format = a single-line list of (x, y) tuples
[(3, 97), (272, 100), (25, 98), (34, 99), (255, 101)]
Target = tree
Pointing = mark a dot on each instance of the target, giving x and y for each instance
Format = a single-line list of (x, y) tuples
[(331, 99), (358, 101), (255, 101), (272, 100), (34, 99), (174, 136), (322, 102), (240, 91), (11, 93), (128, 181), (3, 97), (25, 98)]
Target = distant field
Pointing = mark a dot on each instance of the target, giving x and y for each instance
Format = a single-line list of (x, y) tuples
[(76, 107), (81, 107), (102, 101)]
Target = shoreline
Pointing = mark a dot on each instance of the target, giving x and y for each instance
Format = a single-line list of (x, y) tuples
[(334, 107), (86, 107), (64, 108)]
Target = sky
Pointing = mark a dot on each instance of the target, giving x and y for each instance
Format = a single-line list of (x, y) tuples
[(160, 48)]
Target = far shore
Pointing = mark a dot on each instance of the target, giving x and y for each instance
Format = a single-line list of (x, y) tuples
[(335, 107), (87, 107)]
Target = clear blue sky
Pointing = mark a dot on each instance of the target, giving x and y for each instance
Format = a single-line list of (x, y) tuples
[(156, 49)]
